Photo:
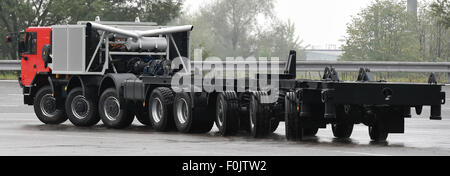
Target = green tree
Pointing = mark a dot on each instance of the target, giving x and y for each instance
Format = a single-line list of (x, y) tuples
[(279, 40), (159, 11), (17, 15), (434, 37), (234, 28), (383, 31), (234, 20), (441, 10)]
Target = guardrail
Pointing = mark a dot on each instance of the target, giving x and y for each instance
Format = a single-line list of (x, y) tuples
[(9, 65), (412, 67)]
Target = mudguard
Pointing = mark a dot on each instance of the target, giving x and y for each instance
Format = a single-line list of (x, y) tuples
[(116, 81)]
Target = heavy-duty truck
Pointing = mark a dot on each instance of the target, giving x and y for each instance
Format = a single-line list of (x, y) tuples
[(115, 71)]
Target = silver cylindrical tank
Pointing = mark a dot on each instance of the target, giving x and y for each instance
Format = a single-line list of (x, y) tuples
[(147, 44)]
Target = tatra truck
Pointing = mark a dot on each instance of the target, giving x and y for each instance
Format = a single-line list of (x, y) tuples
[(116, 71)]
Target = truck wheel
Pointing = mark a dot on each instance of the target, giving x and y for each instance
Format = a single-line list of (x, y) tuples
[(81, 110), (341, 130), (160, 109), (189, 120), (46, 109), (292, 118), (260, 120), (244, 123), (142, 115), (227, 117), (244, 120), (344, 127), (112, 112), (378, 133), (274, 123)]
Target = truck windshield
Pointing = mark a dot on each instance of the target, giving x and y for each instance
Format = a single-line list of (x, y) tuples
[(30, 43)]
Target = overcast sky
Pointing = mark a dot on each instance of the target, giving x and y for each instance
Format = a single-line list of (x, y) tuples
[(319, 22)]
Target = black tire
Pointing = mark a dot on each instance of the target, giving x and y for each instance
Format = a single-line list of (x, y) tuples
[(189, 120), (244, 120), (227, 115), (260, 117), (344, 127), (292, 118), (46, 109), (160, 109), (274, 123), (342, 131), (244, 123), (142, 115), (81, 110), (378, 133), (310, 131), (113, 112)]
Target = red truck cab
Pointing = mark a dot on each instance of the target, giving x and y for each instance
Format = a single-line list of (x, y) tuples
[(31, 58)]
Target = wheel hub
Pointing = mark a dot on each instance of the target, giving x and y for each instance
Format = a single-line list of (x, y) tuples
[(48, 105), (182, 111), (80, 107), (157, 110), (112, 108)]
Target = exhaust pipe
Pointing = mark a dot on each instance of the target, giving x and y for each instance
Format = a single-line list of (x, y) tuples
[(102, 27), (139, 34), (168, 30)]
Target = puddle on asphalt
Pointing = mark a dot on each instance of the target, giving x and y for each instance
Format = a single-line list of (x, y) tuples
[(240, 137)]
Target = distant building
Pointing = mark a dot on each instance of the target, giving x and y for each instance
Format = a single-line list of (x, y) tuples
[(412, 7)]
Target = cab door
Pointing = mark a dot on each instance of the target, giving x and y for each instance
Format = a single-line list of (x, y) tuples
[(31, 60), (29, 55)]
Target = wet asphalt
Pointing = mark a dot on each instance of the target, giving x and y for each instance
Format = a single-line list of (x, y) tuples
[(21, 133)]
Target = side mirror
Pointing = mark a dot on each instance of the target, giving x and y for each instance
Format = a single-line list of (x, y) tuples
[(21, 46), (8, 39)]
